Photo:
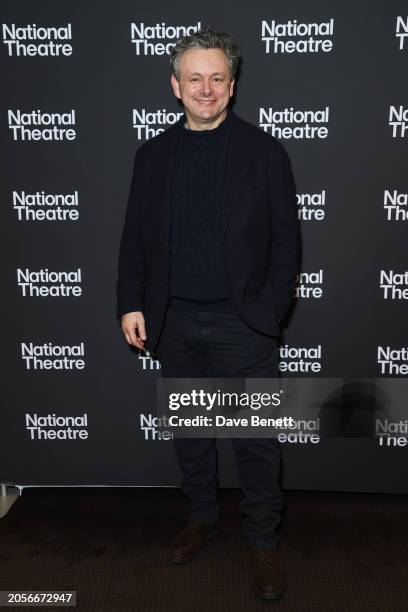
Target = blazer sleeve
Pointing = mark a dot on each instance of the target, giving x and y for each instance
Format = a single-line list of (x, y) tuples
[(284, 255), (131, 268)]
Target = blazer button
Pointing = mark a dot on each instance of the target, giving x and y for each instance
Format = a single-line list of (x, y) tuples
[(166, 244)]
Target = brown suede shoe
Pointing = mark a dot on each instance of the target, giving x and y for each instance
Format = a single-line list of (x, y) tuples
[(269, 580), (188, 543)]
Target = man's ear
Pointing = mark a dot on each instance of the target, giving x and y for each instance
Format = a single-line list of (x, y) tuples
[(231, 91), (175, 86)]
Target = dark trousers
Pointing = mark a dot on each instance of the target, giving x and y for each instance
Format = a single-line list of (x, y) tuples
[(209, 344)]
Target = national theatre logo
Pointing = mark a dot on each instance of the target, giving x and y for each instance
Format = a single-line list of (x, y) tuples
[(391, 433), (148, 361), (32, 40), (395, 205), (48, 283), (150, 123), (394, 285), (38, 125), (53, 427), (298, 124), (311, 206), (392, 361), (309, 285), (303, 431), (401, 32), (297, 37), (398, 121), (300, 359), (155, 428), (43, 206), (158, 39), (49, 356)]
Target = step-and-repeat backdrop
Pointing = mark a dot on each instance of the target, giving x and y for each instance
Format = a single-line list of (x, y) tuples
[(83, 86)]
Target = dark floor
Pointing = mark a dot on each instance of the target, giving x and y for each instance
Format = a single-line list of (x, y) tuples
[(341, 552)]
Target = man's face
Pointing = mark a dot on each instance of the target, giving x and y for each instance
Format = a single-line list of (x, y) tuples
[(205, 87)]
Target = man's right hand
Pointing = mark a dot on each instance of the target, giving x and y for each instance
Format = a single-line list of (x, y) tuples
[(133, 327)]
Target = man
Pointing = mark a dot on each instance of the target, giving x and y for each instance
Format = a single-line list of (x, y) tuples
[(207, 268)]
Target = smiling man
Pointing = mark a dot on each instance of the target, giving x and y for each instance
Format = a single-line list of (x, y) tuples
[(202, 81), (207, 268)]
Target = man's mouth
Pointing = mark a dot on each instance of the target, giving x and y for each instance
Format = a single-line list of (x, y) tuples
[(205, 102)]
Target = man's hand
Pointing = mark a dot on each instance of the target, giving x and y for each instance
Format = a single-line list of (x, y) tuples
[(133, 327)]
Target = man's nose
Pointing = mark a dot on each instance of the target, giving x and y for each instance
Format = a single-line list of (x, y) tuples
[(206, 86)]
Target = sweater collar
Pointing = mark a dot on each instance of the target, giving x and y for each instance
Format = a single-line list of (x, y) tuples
[(220, 129)]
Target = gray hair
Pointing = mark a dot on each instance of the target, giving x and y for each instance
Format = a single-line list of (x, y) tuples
[(206, 39)]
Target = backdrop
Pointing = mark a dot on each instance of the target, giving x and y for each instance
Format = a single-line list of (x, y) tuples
[(84, 85)]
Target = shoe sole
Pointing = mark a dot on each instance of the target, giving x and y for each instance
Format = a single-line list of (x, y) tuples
[(181, 560)]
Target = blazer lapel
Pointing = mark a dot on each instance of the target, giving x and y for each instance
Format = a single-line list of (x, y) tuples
[(237, 164), (168, 154)]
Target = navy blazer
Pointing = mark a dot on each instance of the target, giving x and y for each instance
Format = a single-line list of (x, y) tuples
[(261, 238)]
